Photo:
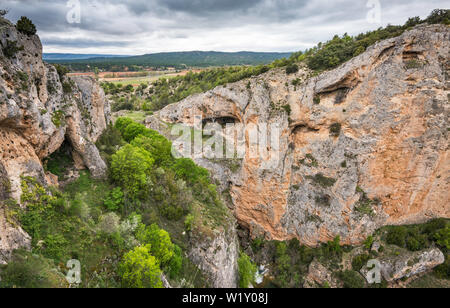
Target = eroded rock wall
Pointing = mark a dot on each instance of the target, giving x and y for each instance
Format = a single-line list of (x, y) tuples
[(362, 146), (39, 110)]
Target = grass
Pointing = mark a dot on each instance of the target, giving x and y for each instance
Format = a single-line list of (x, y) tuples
[(137, 116)]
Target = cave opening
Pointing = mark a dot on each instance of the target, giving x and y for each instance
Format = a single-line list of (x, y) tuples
[(60, 160)]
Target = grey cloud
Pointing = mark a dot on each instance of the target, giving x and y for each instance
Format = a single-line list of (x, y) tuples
[(195, 24)]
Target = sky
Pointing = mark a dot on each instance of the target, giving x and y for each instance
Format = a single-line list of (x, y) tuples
[(137, 27)]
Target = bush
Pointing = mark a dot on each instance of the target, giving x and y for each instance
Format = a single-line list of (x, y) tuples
[(61, 70), (397, 236), (360, 261), (187, 170), (26, 270), (139, 269), (133, 130), (159, 240), (335, 129), (122, 123), (114, 200), (159, 147), (351, 279), (26, 26), (292, 69), (443, 237), (11, 49), (130, 167), (172, 196), (247, 271)]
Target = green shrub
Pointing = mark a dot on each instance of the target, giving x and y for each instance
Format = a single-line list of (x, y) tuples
[(139, 269), (247, 271), (335, 129), (322, 180), (359, 261), (443, 237), (26, 26), (58, 118), (351, 279), (189, 222), (26, 270), (61, 70), (122, 123), (397, 236), (159, 147), (114, 200), (11, 49), (67, 87), (130, 167), (292, 69), (159, 242)]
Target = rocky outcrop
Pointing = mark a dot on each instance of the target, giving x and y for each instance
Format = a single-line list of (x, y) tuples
[(361, 146), (408, 264), (217, 256), (39, 110), (319, 276)]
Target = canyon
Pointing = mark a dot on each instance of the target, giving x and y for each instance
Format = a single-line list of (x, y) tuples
[(362, 146)]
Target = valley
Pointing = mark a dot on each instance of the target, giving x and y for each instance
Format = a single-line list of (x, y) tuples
[(90, 167)]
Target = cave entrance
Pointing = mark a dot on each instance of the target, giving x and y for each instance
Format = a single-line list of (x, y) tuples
[(60, 160), (222, 121)]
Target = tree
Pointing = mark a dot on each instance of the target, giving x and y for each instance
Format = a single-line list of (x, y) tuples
[(443, 237), (130, 167), (351, 279), (133, 130), (247, 271), (157, 145), (139, 269), (26, 26), (122, 123), (292, 69), (159, 240)]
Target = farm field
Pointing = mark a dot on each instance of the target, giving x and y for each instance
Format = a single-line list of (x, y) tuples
[(133, 78)]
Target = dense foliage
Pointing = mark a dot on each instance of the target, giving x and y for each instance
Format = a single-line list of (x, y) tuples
[(26, 26), (247, 271), (113, 227)]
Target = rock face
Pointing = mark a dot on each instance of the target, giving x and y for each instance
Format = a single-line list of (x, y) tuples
[(39, 110), (217, 257), (408, 264), (319, 275), (361, 146)]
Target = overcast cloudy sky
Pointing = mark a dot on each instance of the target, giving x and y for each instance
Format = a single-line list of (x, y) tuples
[(148, 26)]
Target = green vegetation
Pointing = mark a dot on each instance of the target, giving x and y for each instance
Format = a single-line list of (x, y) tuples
[(322, 180), (292, 69), (178, 60), (26, 26), (351, 279), (58, 118), (419, 237), (139, 269), (335, 129), (359, 261), (341, 49), (113, 227), (28, 270), (11, 49), (247, 271)]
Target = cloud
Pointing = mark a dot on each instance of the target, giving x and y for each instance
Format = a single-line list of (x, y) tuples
[(144, 26)]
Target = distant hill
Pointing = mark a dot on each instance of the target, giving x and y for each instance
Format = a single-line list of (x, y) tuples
[(178, 60), (73, 56)]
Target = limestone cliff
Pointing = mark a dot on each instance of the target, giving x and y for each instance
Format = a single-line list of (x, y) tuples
[(39, 110), (362, 146)]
